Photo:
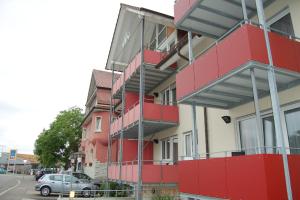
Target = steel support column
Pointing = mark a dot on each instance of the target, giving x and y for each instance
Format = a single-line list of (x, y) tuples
[(110, 122), (122, 129), (139, 192), (244, 7), (257, 111), (194, 115), (275, 99)]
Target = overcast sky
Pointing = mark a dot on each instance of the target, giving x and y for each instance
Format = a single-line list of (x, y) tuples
[(48, 49)]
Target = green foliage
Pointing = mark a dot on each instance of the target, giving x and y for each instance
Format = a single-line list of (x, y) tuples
[(54, 145), (163, 197), (116, 186)]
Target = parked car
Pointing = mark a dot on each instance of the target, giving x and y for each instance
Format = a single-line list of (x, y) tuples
[(42, 172), (2, 170), (85, 178), (62, 183)]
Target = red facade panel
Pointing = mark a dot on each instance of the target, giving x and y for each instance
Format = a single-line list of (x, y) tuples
[(206, 68), (152, 112), (185, 82), (233, 51), (241, 177), (169, 114), (257, 44), (284, 52)]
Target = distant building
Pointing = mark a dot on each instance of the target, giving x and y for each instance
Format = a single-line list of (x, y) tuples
[(23, 163)]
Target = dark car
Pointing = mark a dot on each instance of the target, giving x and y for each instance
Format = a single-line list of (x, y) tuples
[(42, 172)]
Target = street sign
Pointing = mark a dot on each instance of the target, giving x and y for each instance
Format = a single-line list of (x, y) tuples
[(13, 154)]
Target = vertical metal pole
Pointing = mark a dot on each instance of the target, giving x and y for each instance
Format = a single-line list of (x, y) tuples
[(275, 99), (257, 111), (139, 194), (244, 7), (122, 129), (194, 115), (110, 122)]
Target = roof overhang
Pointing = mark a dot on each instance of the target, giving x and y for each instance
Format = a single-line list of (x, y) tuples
[(215, 18), (235, 88), (127, 35)]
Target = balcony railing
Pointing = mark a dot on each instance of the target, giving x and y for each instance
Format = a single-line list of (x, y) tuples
[(153, 172), (153, 76), (240, 176), (227, 63), (156, 115)]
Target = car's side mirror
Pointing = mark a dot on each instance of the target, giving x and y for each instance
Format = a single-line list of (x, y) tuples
[(77, 182)]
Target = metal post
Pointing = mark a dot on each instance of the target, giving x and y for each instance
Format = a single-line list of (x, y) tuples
[(139, 195), (244, 7), (275, 99), (194, 115), (257, 111), (110, 122), (122, 129)]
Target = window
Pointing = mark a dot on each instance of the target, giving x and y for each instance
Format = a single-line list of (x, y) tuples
[(188, 144), (69, 178), (169, 147), (162, 33), (282, 22), (168, 95), (55, 177), (249, 135), (98, 123), (84, 133), (293, 129)]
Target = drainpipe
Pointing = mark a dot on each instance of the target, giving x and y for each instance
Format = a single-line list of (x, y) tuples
[(206, 132), (275, 99)]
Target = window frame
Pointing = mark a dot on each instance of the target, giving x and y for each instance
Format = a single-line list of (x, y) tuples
[(171, 141), (98, 129), (268, 112), (185, 134)]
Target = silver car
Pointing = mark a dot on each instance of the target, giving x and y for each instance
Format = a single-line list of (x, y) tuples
[(62, 183)]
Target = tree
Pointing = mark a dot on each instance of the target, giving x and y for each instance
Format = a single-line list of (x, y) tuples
[(56, 144)]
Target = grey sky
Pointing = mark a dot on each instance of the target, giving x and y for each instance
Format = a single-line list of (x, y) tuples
[(48, 49)]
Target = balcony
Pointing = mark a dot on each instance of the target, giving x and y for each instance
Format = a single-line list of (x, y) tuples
[(152, 173), (220, 77), (153, 76), (156, 118), (211, 18), (241, 177)]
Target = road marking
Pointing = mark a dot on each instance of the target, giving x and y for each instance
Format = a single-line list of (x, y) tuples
[(13, 187)]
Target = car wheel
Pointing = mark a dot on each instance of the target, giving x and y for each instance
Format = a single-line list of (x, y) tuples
[(45, 191), (86, 192)]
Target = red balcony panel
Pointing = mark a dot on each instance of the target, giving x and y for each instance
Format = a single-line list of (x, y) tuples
[(185, 82), (233, 51), (294, 165), (284, 52), (136, 114), (126, 120), (297, 49), (181, 7), (243, 173), (188, 176), (130, 116), (152, 112), (257, 43), (241, 177), (151, 173), (170, 173), (152, 57), (137, 61), (128, 71), (208, 65), (170, 113)]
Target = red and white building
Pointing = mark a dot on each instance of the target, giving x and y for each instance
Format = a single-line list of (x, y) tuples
[(207, 103)]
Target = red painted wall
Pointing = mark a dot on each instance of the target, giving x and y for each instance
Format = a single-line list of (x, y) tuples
[(242, 177)]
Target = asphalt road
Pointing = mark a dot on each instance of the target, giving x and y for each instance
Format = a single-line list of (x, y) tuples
[(19, 187)]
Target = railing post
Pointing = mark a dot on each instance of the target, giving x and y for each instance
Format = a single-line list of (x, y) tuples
[(275, 99), (194, 115), (139, 195)]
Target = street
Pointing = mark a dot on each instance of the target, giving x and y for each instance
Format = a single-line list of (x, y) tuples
[(19, 187)]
